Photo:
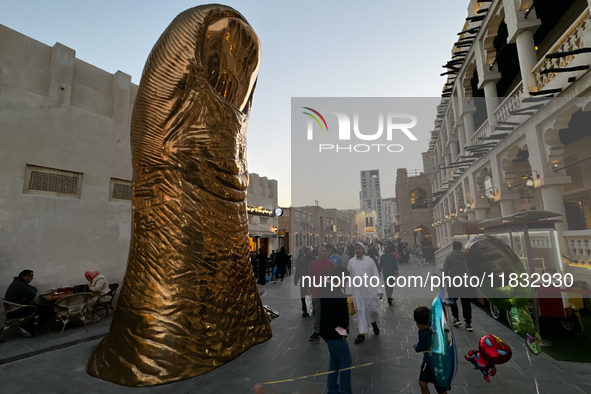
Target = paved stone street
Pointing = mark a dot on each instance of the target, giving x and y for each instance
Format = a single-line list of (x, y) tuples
[(289, 363)]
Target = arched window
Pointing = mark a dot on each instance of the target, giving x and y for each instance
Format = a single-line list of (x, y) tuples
[(418, 199)]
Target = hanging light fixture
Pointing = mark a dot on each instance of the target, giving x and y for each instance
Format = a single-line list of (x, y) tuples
[(530, 181)]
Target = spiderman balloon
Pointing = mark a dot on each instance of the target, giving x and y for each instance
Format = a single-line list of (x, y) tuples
[(492, 350)]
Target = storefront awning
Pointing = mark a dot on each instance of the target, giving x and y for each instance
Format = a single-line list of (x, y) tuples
[(262, 234), (467, 227)]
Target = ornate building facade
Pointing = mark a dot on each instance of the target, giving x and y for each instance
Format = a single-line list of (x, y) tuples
[(512, 128)]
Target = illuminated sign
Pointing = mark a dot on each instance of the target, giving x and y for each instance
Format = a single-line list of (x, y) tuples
[(259, 211), (369, 230)]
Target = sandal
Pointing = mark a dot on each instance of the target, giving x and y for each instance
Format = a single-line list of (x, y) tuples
[(376, 330), (360, 338)]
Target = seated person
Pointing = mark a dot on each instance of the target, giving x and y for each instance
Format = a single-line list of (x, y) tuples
[(99, 286), (21, 292)]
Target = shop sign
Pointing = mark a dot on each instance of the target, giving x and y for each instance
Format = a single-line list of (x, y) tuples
[(259, 211), (369, 230)]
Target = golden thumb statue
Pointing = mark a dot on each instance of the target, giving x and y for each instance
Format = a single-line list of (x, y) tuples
[(189, 301)]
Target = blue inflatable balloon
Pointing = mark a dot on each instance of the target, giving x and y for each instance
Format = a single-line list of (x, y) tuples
[(444, 356)]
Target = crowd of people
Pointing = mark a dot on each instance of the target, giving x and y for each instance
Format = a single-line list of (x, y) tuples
[(330, 305)]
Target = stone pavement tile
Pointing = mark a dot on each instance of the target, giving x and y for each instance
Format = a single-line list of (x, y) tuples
[(585, 387), (311, 364), (566, 366), (554, 387), (479, 390), (284, 387), (390, 384), (316, 376), (411, 387), (362, 381), (301, 370), (204, 388), (372, 370), (474, 379), (543, 372), (411, 363), (232, 389), (13, 348), (401, 373), (309, 387), (252, 379), (516, 385)]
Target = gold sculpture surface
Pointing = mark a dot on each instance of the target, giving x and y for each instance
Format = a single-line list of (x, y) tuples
[(189, 301)]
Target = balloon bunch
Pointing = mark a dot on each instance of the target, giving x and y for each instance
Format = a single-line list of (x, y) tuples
[(492, 350), (486, 254)]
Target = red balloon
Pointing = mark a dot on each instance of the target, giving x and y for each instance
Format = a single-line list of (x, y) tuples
[(494, 349), (491, 350)]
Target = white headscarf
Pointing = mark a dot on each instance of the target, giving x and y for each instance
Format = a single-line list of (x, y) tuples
[(363, 246)]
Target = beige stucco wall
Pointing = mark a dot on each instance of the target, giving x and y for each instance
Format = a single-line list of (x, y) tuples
[(61, 113)]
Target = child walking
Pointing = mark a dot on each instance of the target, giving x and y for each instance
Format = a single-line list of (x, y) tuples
[(421, 317)]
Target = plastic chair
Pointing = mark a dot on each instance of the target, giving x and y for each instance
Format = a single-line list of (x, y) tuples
[(72, 307), (107, 304), (28, 311)]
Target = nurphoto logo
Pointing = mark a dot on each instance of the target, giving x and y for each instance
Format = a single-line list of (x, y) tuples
[(395, 125)]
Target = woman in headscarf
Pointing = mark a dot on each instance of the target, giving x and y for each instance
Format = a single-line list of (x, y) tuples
[(98, 285)]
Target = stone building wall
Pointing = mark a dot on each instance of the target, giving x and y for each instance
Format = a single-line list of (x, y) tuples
[(410, 219), (65, 164)]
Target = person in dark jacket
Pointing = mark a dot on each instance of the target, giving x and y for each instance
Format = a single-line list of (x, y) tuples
[(389, 268), (455, 265), (281, 261), (262, 259), (302, 266), (334, 327), (21, 292), (373, 253)]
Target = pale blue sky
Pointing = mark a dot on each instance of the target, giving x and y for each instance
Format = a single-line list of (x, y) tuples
[(335, 48)]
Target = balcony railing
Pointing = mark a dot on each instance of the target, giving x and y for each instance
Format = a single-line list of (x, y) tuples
[(578, 245), (572, 39), (482, 131), (511, 103)]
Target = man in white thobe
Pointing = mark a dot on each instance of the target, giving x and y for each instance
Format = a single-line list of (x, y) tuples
[(365, 297)]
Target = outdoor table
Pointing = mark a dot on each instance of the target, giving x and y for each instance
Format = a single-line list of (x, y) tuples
[(61, 293)]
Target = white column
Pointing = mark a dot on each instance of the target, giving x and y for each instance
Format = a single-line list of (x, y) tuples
[(492, 102), (449, 232), (526, 52), (462, 136), (468, 126), (553, 202)]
